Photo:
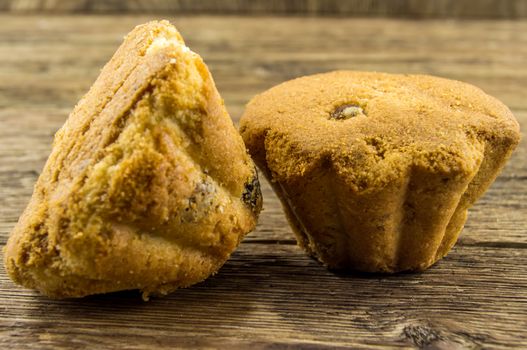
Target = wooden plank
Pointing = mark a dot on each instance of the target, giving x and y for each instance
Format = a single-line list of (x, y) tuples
[(270, 295), (40, 57), (503, 9), (475, 297)]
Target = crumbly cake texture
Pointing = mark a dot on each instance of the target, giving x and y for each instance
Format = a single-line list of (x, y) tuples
[(376, 171), (148, 185)]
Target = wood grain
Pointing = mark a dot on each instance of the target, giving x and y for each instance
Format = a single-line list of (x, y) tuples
[(503, 9), (270, 295)]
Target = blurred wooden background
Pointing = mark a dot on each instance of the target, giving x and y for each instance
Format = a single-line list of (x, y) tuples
[(502, 9), (270, 295)]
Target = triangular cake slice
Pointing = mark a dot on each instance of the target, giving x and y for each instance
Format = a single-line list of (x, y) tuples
[(148, 185)]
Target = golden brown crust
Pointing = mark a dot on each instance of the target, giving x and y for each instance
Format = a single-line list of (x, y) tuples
[(376, 171), (145, 185)]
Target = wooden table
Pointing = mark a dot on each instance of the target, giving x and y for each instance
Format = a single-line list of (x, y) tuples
[(270, 295)]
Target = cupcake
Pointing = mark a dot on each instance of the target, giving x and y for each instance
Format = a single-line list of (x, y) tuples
[(376, 171), (148, 185)]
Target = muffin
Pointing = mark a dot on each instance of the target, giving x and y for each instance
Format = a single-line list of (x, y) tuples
[(376, 171), (148, 185)]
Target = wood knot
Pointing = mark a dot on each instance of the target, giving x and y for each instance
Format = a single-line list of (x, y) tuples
[(421, 336)]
